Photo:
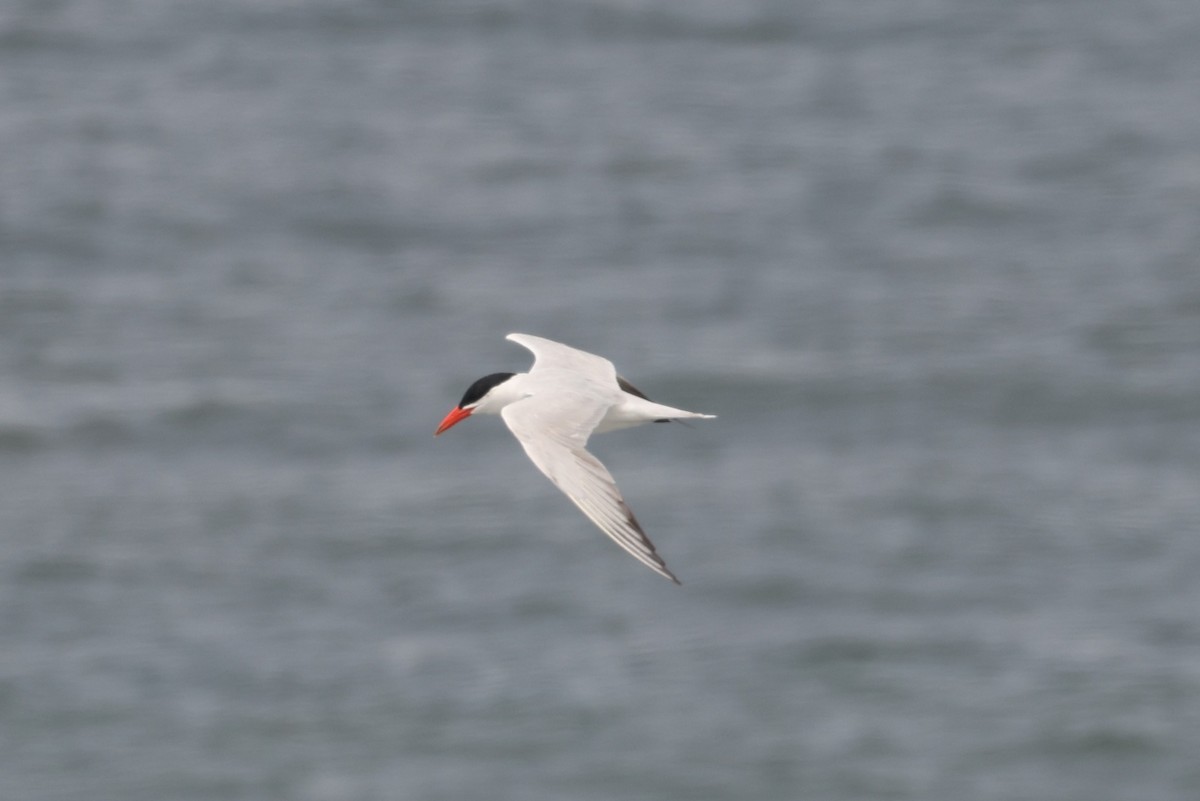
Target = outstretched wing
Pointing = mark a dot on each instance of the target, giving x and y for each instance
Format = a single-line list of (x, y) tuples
[(553, 430), (551, 355)]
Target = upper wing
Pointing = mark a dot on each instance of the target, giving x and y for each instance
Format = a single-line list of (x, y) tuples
[(553, 434), (550, 354)]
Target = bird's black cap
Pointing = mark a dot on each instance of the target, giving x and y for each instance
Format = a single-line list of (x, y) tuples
[(481, 387)]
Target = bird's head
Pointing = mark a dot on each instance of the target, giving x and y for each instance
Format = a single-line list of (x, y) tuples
[(488, 395)]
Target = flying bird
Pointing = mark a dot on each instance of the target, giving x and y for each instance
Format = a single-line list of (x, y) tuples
[(567, 396)]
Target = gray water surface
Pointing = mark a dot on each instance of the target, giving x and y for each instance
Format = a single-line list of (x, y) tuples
[(933, 264)]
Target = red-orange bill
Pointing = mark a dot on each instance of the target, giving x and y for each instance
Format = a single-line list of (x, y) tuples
[(456, 415)]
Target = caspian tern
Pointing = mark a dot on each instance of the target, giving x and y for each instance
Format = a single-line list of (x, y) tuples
[(567, 396)]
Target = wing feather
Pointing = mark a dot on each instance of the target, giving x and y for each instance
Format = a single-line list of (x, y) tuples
[(553, 432), (548, 354)]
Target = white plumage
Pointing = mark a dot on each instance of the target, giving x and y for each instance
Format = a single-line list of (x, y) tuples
[(552, 410)]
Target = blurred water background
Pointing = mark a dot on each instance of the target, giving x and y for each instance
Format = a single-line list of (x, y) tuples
[(933, 263)]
